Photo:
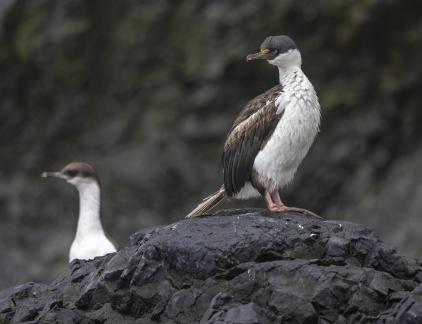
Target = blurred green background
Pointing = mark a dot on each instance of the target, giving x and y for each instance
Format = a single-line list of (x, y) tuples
[(147, 90)]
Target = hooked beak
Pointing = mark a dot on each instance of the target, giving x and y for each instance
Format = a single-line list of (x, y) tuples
[(264, 54), (58, 175)]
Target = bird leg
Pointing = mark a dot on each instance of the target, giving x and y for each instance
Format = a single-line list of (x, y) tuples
[(273, 201), (274, 204)]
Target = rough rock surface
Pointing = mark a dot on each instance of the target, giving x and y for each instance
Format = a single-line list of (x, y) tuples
[(146, 91), (239, 266)]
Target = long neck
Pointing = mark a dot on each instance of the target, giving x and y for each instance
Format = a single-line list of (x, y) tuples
[(285, 74), (288, 64), (89, 221)]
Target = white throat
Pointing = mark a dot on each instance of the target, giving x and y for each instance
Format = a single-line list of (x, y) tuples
[(89, 222), (287, 63), (286, 74)]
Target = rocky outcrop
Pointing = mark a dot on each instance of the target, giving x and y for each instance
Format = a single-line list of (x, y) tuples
[(239, 266), (146, 91)]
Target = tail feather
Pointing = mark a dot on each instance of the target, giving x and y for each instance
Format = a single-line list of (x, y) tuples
[(208, 203)]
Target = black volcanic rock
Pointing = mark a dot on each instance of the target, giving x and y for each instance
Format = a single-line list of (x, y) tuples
[(146, 91), (238, 266)]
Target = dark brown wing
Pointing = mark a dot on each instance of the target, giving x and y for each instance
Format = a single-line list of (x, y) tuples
[(255, 104), (249, 133)]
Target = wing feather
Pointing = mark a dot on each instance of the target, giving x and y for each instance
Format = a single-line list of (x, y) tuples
[(249, 133)]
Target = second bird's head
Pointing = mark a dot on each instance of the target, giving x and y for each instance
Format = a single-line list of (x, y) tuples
[(280, 51), (78, 174)]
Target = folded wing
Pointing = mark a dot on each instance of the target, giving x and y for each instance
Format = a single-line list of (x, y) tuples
[(250, 131)]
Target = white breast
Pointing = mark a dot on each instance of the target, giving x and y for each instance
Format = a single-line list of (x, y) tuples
[(90, 247), (278, 161)]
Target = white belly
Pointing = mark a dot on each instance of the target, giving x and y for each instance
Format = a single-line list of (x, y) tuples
[(278, 161)]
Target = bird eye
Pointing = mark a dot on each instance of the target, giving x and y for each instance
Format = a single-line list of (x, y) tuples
[(70, 173)]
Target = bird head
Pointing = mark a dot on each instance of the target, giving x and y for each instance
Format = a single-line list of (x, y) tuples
[(78, 174), (280, 51)]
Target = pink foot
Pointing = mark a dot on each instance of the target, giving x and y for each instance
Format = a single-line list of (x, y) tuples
[(275, 204), (301, 210), (275, 208)]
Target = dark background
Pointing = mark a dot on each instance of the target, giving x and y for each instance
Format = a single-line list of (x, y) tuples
[(147, 90)]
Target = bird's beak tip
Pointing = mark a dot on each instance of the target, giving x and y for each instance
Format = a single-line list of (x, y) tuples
[(58, 175), (256, 56), (249, 58)]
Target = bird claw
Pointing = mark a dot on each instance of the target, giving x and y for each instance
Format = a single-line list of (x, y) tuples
[(305, 212)]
